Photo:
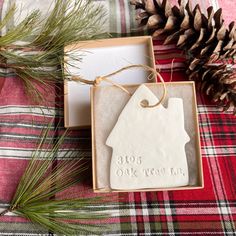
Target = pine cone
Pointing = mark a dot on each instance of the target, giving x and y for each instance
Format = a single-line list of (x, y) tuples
[(205, 40)]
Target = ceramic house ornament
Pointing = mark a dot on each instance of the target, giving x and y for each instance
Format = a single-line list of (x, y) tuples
[(148, 145)]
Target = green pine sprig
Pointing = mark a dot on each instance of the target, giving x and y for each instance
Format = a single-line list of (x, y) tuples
[(35, 200), (39, 61)]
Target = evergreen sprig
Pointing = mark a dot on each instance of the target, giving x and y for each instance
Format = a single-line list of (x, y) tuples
[(35, 200), (38, 58)]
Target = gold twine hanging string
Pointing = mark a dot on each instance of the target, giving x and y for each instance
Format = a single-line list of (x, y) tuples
[(152, 75)]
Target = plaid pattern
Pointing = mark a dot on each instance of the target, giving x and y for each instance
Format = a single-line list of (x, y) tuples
[(210, 211)]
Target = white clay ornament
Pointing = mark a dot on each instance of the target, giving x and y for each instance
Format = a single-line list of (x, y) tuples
[(148, 145)]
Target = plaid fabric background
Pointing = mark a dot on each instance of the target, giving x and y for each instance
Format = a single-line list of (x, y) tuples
[(210, 211)]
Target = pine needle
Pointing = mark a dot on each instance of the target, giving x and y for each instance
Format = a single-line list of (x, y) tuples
[(19, 32), (70, 22), (41, 181)]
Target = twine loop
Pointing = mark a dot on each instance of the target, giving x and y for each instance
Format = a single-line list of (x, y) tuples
[(143, 103), (98, 80)]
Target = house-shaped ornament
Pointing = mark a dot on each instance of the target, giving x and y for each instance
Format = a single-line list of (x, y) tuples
[(148, 145)]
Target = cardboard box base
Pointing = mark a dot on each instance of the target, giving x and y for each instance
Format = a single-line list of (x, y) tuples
[(107, 104)]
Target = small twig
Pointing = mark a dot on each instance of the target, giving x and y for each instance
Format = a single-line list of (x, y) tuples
[(4, 212)]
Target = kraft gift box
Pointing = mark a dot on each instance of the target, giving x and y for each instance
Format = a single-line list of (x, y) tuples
[(105, 114)]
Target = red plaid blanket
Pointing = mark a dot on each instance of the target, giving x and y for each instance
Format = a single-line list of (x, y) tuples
[(210, 211)]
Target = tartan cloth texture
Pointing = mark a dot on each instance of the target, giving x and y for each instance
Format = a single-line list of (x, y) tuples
[(208, 211)]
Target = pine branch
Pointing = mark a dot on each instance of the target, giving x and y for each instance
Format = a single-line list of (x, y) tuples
[(42, 180), (4, 212), (39, 59)]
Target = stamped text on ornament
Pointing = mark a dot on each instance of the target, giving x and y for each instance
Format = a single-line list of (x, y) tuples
[(149, 172), (129, 160), (126, 172)]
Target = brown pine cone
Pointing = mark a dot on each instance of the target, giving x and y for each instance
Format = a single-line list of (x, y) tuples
[(204, 38)]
